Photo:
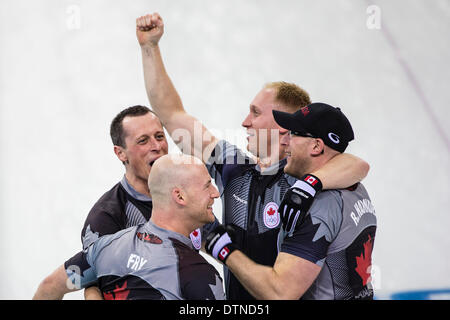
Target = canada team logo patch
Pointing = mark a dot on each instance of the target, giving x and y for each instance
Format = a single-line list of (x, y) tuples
[(271, 215), (196, 238)]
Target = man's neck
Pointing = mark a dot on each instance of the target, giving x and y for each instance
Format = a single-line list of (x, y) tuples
[(138, 184), (165, 219), (267, 162)]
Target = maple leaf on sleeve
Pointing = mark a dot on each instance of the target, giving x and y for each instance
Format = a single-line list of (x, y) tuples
[(364, 262), (119, 293)]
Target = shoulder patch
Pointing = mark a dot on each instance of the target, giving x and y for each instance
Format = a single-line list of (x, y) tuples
[(196, 238), (149, 237)]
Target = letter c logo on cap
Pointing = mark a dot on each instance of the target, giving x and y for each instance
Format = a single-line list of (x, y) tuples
[(333, 137)]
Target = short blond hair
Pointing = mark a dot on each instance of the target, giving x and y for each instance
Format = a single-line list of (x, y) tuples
[(289, 95)]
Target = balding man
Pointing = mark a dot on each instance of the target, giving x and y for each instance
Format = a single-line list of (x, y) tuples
[(155, 260)]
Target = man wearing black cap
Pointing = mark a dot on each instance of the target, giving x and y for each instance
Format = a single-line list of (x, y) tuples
[(325, 253)]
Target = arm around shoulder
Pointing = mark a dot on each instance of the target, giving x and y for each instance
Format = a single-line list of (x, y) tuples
[(288, 279), (342, 171)]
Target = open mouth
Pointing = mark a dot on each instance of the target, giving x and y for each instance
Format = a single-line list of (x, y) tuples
[(151, 163)]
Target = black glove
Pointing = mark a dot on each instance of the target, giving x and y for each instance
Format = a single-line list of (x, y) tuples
[(219, 243), (297, 201)]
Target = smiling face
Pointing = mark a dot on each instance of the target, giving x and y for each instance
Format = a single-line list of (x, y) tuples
[(201, 194), (145, 142), (182, 192), (298, 151), (264, 133)]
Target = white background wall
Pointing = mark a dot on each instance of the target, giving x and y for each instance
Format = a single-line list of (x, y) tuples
[(67, 67)]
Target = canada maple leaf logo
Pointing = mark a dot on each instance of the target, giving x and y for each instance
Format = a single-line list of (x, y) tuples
[(305, 111), (364, 262), (270, 215), (119, 293), (195, 233)]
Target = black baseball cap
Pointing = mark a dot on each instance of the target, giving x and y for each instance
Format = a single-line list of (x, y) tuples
[(319, 120)]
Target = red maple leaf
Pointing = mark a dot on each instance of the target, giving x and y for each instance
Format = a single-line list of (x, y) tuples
[(271, 212), (108, 296), (364, 262), (305, 110), (119, 293), (195, 233)]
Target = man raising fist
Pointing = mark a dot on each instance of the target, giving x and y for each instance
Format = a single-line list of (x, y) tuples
[(251, 188)]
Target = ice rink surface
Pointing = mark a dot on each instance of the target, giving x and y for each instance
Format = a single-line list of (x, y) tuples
[(67, 67)]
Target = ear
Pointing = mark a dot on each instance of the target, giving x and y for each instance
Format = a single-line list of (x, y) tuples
[(317, 147), (178, 196), (120, 153)]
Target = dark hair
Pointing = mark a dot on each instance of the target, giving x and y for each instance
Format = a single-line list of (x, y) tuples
[(116, 129)]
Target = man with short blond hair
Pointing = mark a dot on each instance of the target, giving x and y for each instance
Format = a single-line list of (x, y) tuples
[(327, 251), (289, 94), (251, 190)]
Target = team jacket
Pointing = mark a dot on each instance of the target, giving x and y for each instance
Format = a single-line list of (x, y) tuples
[(338, 234), (145, 262), (250, 203)]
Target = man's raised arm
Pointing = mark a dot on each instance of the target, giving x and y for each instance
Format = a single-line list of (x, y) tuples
[(186, 131)]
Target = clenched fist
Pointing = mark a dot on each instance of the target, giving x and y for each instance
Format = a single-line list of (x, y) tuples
[(149, 29)]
